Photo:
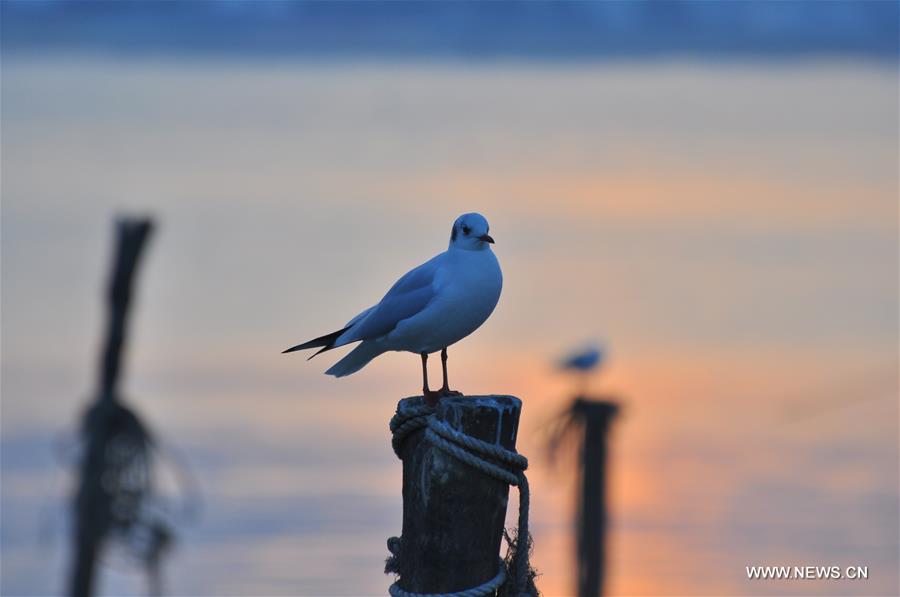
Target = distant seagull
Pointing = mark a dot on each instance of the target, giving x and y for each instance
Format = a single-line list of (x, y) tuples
[(584, 362), (431, 307), (585, 359)]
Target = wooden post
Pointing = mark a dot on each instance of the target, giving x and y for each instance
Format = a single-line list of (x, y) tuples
[(453, 515), (106, 419), (596, 417)]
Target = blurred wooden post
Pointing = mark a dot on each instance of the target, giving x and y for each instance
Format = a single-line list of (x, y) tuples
[(453, 515), (597, 417), (93, 502)]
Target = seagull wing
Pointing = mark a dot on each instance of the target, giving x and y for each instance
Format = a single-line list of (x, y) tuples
[(407, 297), (584, 360), (356, 319)]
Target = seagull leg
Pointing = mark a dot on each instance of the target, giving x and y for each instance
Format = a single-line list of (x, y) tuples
[(425, 390), (445, 389), (431, 398)]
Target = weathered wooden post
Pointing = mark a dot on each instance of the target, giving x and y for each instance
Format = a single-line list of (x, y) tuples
[(595, 417), (114, 466), (458, 462)]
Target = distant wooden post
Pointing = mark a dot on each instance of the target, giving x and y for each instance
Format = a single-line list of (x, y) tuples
[(106, 421), (596, 417), (453, 514)]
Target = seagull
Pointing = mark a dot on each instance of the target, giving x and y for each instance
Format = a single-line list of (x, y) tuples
[(430, 308), (584, 359), (583, 362)]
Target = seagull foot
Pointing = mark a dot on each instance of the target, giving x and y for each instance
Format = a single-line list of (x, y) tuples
[(432, 397)]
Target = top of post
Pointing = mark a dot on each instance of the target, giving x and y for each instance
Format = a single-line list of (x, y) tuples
[(492, 418)]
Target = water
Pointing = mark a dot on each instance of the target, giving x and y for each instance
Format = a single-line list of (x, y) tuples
[(731, 231)]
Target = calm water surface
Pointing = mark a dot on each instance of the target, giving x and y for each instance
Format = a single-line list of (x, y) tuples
[(731, 231)]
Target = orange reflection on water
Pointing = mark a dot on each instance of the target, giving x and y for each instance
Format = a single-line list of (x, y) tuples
[(734, 243)]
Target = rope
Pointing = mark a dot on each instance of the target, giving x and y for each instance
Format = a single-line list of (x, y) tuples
[(482, 590), (403, 424), (493, 460)]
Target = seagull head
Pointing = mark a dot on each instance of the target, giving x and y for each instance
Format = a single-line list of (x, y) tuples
[(470, 232)]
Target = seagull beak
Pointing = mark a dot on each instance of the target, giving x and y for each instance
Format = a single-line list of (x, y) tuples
[(486, 238)]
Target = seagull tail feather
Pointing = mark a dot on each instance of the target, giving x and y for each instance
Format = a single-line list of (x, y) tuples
[(327, 342), (358, 358)]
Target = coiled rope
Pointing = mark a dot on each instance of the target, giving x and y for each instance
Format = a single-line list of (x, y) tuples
[(482, 590), (492, 460)]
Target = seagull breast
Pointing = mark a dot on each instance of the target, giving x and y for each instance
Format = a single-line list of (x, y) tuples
[(467, 286)]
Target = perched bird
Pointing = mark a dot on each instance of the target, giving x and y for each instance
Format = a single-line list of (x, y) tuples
[(431, 307), (585, 359), (583, 362)]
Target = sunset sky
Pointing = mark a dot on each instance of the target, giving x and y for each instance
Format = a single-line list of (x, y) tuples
[(728, 228)]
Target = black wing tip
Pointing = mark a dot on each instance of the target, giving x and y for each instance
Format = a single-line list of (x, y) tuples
[(326, 341), (320, 351)]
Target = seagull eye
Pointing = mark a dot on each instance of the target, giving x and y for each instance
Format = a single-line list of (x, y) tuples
[(466, 230)]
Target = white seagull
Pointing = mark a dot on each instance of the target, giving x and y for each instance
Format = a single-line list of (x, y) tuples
[(431, 307), (584, 362), (585, 359)]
